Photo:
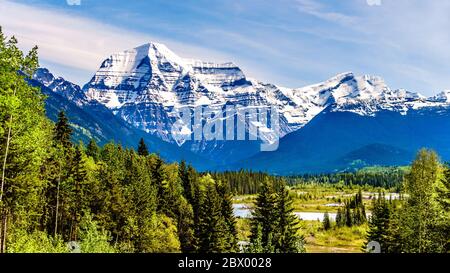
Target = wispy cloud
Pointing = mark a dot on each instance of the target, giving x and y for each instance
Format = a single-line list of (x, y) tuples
[(77, 42), (317, 9)]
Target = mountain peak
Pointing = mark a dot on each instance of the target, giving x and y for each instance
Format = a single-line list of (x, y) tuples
[(44, 76), (159, 52), (444, 96)]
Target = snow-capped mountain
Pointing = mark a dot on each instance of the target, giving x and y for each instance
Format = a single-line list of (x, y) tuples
[(143, 85)]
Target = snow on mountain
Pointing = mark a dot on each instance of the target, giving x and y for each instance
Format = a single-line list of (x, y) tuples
[(143, 85), (59, 85)]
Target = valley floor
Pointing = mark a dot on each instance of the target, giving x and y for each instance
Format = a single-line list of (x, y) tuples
[(310, 202)]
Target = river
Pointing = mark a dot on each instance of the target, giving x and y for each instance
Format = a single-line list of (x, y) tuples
[(243, 211)]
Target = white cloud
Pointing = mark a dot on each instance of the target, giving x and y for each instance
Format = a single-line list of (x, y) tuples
[(77, 42), (318, 10)]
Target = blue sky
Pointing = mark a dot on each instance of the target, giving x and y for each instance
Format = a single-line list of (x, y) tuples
[(291, 43)]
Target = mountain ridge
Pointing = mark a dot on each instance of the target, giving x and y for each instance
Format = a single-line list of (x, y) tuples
[(144, 85)]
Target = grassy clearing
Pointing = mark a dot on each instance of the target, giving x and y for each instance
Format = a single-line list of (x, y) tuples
[(335, 240)]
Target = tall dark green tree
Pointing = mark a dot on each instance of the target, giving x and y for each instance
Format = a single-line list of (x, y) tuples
[(264, 215), (379, 221), (93, 150), (159, 178), (326, 221), (63, 131), (285, 234), (142, 148), (212, 236), (79, 197), (231, 240), (185, 180)]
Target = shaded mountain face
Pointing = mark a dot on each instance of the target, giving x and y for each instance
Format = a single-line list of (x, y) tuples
[(348, 120), (336, 141)]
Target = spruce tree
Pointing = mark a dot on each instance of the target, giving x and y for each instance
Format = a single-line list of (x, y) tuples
[(93, 150), (231, 240), (142, 148), (264, 214), (158, 177), (79, 202), (285, 233), (326, 221), (62, 131), (340, 219), (379, 221), (212, 237)]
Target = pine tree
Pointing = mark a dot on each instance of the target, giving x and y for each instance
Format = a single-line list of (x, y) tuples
[(142, 148), (63, 131), (285, 233), (93, 150), (187, 176), (256, 245), (264, 215), (443, 192), (379, 221), (231, 240), (158, 177), (79, 198), (340, 218), (212, 223), (326, 221)]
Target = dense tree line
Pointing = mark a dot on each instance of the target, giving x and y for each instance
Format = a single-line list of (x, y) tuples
[(380, 177), (245, 181), (421, 222)]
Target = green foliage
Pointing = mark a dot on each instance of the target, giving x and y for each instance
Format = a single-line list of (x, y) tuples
[(380, 221), (62, 131), (326, 221), (216, 226), (245, 182), (388, 177), (419, 224), (142, 148), (93, 150), (420, 214), (37, 241), (24, 135), (353, 213), (92, 238), (273, 225), (112, 199), (264, 215)]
